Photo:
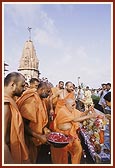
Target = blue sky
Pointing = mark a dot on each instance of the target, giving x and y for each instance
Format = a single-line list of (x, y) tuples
[(71, 40)]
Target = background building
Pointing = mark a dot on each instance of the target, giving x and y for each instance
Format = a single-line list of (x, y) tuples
[(29, 63), (5, 67)]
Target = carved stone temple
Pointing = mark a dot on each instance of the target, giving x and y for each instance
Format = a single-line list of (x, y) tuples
[(29, 63)]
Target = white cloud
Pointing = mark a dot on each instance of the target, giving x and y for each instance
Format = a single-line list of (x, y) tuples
[(43, 37), (76, 63), (47, 22), (44, 29), (62, 56)]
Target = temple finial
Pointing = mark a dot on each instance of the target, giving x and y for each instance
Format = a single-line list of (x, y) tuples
[(29, 29)]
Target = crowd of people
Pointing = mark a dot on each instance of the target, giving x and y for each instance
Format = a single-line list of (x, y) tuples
[(32, 111)]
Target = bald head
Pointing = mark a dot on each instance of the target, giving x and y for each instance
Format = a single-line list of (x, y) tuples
[(34, 82), (44, 89), (14, 84), (13, 77), (69, 86)]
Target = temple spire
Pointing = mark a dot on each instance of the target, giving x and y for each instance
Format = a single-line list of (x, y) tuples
[(29, 29)]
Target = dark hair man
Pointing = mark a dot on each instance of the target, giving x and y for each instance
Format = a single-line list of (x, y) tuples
[(15, 150)]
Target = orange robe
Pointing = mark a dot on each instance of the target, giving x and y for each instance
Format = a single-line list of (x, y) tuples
[(60, 155), (18, 147), (61, 102), (54, 91), (33, 109)]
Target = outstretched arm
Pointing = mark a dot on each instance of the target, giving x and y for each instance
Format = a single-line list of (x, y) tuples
[(80, 119), (85, 117), (91, 108)]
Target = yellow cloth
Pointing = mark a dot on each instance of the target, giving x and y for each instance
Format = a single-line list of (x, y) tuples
[(88, 99), (18, 147)]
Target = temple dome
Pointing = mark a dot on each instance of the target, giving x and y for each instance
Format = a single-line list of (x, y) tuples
[(29, 62)]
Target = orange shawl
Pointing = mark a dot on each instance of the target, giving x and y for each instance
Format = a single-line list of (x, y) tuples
[(54, 91), (18, 147), (65, 116), (33, 109), (61, 102)]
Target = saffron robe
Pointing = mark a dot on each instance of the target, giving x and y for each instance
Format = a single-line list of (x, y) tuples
[(54, 91), (60, 103), (60, 155), (18, 147), (33, 109)]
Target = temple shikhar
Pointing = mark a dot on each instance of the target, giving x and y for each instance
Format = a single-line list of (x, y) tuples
[(29, 63)]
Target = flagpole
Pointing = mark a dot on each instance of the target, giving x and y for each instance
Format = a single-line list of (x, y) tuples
[(29, 29), (78, 81)]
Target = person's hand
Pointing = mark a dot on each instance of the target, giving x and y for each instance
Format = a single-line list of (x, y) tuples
[(93, 115), (46, 130), (92, 112), (91, 108), (51, 111), (51, 114), (43, 139)]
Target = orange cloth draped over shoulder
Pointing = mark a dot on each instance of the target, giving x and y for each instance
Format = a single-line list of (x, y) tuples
[(18, 147), (65, 116), (60, 155), (33, 109), (54, 91), (61, 102)]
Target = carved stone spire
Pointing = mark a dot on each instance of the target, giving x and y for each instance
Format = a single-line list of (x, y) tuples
[(29, 62)]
